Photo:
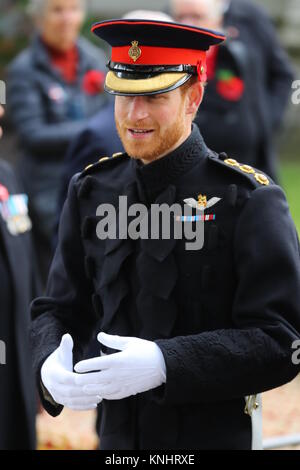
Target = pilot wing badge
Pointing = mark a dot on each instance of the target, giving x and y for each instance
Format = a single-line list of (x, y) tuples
[(202, 202), (201, 205)]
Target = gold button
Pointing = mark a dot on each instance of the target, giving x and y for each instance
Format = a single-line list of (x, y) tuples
[(247, 169), (117, 154), (231, 161), (88, 167), (103, 159), (262, 179)]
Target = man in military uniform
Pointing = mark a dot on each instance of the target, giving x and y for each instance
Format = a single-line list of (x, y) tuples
[(189, 338)]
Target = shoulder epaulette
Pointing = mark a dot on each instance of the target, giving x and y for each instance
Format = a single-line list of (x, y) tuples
[(94, 166), (251, 173)]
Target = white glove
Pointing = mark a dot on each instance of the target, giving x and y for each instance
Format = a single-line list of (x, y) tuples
[(60, 381), (138, 368)]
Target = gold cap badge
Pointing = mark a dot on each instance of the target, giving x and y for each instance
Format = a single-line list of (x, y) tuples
[(135, 52)]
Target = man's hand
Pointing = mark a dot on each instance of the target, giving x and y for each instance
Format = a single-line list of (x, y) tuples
[(138, 368), (60, 380), (1, 115)]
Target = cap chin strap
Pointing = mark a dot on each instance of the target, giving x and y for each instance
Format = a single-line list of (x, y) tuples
[(146, 71), (151, 69)]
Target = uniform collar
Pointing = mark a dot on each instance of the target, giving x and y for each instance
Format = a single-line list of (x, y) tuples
[(156, 176)]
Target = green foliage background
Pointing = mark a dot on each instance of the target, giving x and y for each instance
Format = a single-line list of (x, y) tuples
[(290, 179)]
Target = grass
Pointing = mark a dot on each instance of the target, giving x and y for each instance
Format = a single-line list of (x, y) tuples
[(290, 181)]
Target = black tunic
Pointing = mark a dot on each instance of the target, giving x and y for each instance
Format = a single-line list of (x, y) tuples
[(224, 316)]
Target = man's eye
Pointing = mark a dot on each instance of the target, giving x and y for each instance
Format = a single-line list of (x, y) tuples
[(156, 97)]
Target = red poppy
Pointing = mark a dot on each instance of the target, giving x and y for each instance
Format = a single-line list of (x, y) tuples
[(231, 89), (211, 61), (93, 82)]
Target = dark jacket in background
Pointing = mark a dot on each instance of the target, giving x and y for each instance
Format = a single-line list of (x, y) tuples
[(255, 55), (19, 285), (99, 139), (47, 112)]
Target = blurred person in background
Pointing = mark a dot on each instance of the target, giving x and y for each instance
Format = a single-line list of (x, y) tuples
[(54, 86), (249, 80), (19, 285)]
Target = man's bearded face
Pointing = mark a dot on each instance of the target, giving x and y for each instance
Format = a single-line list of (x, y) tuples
[(150, 126)]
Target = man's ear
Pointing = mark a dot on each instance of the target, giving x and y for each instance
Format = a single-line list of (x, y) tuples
[(194, 97)]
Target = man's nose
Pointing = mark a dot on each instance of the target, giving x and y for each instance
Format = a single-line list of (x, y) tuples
[(138, 108), (68, 15)]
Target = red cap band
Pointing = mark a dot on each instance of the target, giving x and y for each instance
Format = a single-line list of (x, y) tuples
[(158, 56)]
